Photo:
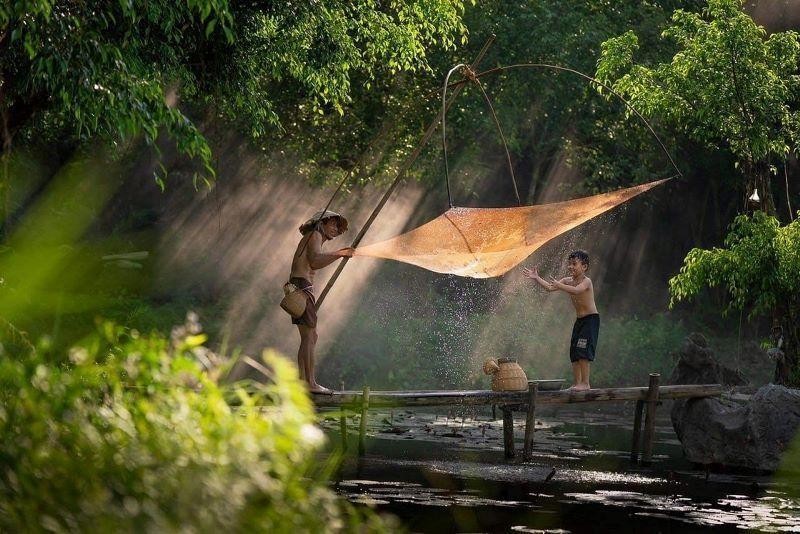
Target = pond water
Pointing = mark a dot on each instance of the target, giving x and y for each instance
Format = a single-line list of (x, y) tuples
[(445, 472)]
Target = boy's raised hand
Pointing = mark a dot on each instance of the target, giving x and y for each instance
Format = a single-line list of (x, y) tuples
[(531, 273)]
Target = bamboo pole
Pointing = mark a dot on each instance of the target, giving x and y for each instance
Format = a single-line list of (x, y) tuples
[(637, 431), (382, 399), (650, 419), (508, 432), (362, 429), (400, 173), (530, 421), (343, 426)]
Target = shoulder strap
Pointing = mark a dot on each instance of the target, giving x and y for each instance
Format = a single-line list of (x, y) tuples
[(307, 238)]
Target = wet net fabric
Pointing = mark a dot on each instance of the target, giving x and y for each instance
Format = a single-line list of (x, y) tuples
[(487, 242)]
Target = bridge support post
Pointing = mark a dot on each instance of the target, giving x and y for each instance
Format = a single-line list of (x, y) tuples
[(343, 425), (508, 431), (637, 431), (362, 428), (650, 419), (530, 421)]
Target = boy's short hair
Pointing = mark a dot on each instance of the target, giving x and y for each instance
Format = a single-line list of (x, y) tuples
[(580, 255)]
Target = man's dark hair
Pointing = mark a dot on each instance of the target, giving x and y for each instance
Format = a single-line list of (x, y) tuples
[(580, 255)]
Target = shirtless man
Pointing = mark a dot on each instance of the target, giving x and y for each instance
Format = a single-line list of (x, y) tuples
[(308, 258), (587, 323)]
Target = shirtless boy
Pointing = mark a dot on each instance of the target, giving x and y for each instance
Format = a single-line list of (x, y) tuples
[(587, 324), (308, 258)]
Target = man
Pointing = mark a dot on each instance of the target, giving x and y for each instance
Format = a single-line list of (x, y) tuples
[(308, 258)]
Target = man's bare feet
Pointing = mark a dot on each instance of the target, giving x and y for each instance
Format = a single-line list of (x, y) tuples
[(321, 390)]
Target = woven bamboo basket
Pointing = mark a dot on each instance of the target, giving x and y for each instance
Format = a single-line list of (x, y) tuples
[(294, 301), (506, 373)]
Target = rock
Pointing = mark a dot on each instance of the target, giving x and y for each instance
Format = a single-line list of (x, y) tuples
[(696, 364), (722, 431), (752, 436)]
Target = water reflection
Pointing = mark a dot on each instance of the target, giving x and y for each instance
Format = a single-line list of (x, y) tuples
[(575, 475), (768, 514), (446, 472), (372, 492)]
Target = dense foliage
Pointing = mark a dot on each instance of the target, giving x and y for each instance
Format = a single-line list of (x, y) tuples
[(732, 87), (130, 434), (544, 113), (729, 85), (757, 269), (71, 71)]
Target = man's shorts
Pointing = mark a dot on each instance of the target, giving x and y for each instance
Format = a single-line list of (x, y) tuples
[(309, 317), (584, 338)]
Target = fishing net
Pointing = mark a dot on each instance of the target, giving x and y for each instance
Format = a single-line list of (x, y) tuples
[(487, 242)]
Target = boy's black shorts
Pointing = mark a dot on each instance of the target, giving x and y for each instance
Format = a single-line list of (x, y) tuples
[(584, 338)]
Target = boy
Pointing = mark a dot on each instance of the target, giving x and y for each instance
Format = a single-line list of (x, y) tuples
[(587, 323)]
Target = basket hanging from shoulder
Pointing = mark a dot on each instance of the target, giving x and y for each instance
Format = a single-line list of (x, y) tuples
[(294, 301)]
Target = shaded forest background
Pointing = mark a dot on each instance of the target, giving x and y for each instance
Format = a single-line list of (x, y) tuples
[(157, 158), (224, 252)]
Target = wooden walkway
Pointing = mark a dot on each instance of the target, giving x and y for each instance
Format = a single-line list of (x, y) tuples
[(525, 401)]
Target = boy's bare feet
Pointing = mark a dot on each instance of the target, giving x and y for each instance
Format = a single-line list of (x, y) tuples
[(322, 390), (581, 387)]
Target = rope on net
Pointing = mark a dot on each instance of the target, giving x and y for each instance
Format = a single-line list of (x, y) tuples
[(589, 78), (444, 132), (469, 75)]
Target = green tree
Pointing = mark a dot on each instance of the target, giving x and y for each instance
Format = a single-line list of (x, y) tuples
[(546, 113), (757, 268), (542, 112), (71, 71), (74, 70), (729, 85), (733, 88)]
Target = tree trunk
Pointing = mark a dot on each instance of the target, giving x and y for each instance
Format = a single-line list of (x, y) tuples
[(758, 178), (5, 179), (5, 153), (792, 352), (787, 367)]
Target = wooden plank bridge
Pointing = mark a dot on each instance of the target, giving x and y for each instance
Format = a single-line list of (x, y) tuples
[(525, 401)]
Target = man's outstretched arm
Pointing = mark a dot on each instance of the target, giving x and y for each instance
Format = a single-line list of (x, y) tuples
[(318, 259)]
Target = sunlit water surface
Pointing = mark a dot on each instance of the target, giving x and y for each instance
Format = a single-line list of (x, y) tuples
[(445, 472)]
